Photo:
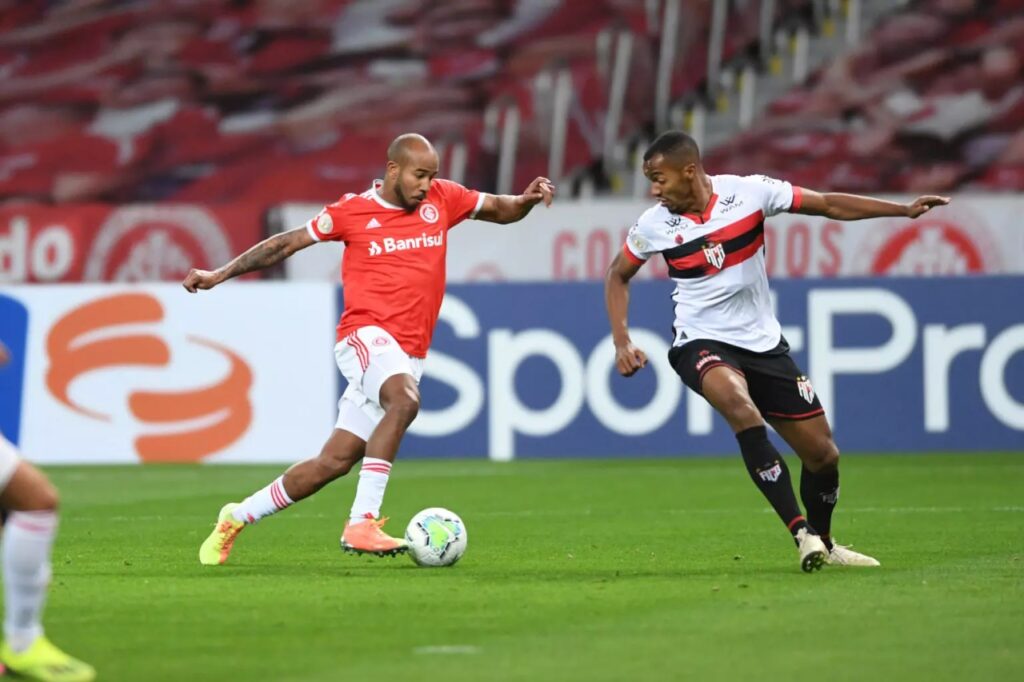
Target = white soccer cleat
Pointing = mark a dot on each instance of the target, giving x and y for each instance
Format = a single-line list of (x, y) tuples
[(813, 552), (844, 556)]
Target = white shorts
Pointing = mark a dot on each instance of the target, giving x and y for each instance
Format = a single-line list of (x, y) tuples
[(367, 358), (9, 460)]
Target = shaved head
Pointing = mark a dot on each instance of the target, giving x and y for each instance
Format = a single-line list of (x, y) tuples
[(405, 146), (411, 168)]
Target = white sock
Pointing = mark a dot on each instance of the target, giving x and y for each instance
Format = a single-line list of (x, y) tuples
[(28, 539), (265, 502), (373, 479)]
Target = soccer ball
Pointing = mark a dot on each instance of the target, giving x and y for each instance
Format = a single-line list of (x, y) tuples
[(436, 537)]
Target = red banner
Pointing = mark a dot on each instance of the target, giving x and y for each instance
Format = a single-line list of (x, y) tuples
[(133, 243)]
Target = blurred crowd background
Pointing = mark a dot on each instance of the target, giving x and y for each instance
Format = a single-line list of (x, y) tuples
[(266, 101)]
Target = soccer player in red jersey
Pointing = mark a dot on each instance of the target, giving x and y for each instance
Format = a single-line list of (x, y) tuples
[(393, 270), (728, 346)]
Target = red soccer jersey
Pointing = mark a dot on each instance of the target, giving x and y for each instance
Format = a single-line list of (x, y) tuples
[(393, 270)]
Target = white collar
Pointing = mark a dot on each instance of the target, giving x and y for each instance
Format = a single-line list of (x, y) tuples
[(375, 195)]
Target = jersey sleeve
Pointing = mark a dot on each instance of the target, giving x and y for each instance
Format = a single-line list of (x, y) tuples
[(461, 202), (639, 247), (777, 196), (331, 223)]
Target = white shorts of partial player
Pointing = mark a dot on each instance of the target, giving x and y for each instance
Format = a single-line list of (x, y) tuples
[(8, 461), (367, 358)]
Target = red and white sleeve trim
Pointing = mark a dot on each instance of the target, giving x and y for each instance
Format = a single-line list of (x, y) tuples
[(311, 228), (798, 199), (633, 258), (479, 205)]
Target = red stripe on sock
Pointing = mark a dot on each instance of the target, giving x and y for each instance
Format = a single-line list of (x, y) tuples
[(278, 495), (795, 521), (31, 527), (284, 496), (377, 470)]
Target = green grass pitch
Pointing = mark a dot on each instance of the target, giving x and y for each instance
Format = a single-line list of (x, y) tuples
[(576, 570)]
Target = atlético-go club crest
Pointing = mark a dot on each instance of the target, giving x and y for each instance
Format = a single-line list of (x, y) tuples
[(715, 254), (803, 385)]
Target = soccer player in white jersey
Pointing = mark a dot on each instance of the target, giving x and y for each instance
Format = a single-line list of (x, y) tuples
[(29, 503), (728, 346), (396, 240)]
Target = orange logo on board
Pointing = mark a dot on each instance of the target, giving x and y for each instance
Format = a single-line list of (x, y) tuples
[(74, 348)]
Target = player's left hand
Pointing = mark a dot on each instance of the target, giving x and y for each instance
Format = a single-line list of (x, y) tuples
[(924, 204), (541, 189)]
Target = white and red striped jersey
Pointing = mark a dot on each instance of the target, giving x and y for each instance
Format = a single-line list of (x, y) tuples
[(716, 260)]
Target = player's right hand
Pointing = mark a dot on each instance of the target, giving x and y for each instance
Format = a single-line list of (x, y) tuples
[(629, 359), (200, 279)]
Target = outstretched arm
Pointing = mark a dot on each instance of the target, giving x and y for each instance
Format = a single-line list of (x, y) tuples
[(628, 358), (268, 252), (855, 207), (506, 208)]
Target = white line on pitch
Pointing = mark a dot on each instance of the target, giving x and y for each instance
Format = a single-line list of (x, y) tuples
[(447, 649)]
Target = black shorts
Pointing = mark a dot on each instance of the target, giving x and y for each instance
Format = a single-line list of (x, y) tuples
[(779, 388)]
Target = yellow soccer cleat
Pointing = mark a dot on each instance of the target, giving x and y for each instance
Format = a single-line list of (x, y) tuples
[(366, 537), (216, 548), (45, 662)]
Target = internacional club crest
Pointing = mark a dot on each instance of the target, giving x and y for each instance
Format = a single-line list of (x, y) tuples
[(429, 213)]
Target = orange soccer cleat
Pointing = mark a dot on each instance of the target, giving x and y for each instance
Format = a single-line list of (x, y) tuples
[(366, 537)]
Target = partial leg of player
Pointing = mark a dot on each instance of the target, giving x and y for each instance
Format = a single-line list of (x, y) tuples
[(27, 542), (726, 390), (399, 397), (341, 451), (811, 439)]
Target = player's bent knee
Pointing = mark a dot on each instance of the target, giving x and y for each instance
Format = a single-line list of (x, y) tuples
[(29, 490), (44, 497), (334, 465), (405, 407), (824, 456), (740, 412), (49, 497)]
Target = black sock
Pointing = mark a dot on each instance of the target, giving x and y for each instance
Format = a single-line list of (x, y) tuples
[(820, 493), (771, 475)]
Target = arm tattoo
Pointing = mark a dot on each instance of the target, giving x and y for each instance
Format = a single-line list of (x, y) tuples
[(268, 252)]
